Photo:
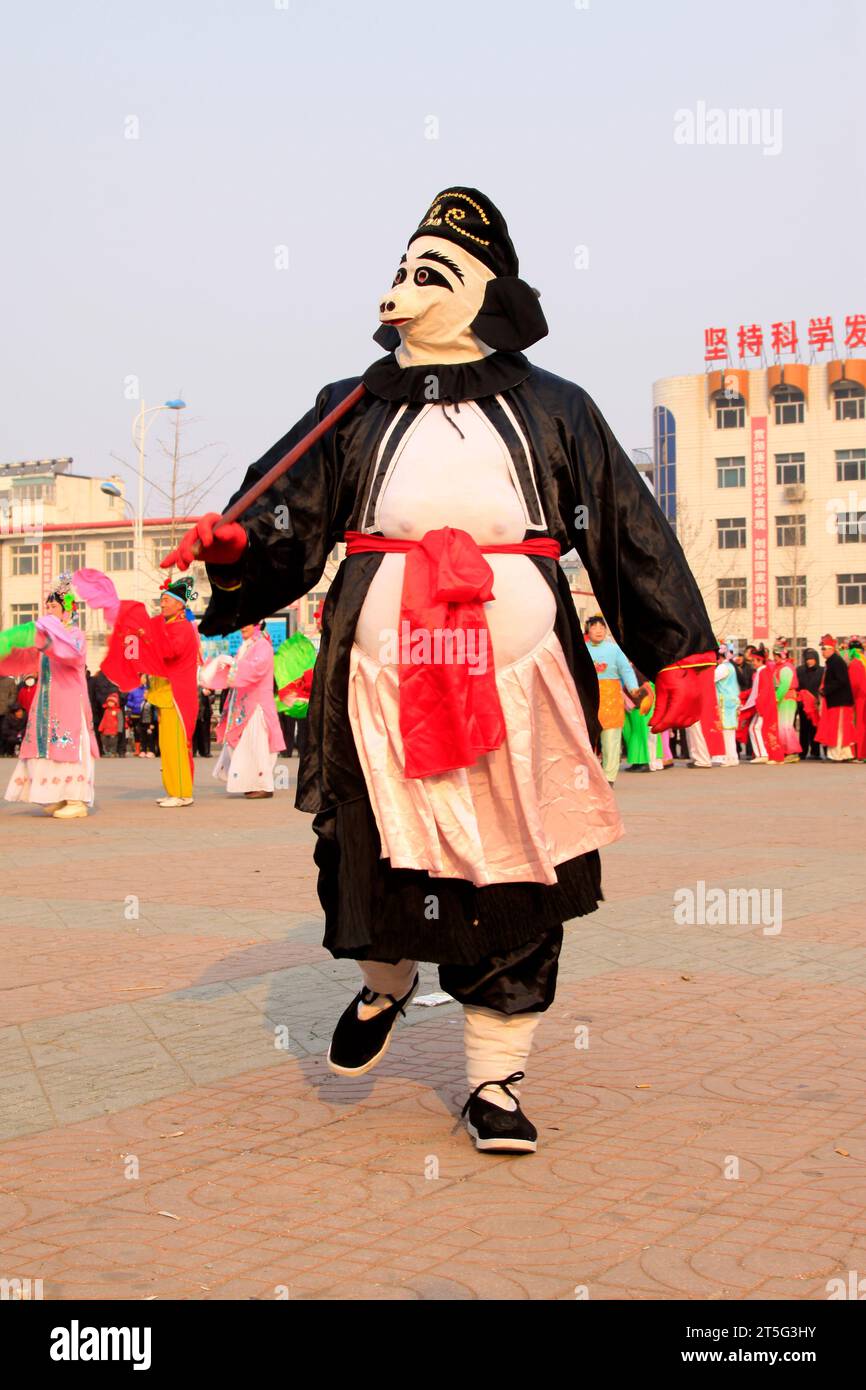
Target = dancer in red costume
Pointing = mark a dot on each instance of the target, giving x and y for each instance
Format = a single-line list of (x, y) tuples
[(836, 724), (857, 677), (166, 648), (761, 711)]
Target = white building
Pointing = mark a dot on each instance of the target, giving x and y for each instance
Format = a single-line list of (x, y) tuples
[(53, 520), (763, 475)]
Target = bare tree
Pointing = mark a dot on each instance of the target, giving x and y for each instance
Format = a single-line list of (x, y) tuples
[(699, 539), (184, 493), (799, 566), (187, 484)]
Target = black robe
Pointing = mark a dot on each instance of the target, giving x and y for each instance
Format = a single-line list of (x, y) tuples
[(836, 685), (638, 573)]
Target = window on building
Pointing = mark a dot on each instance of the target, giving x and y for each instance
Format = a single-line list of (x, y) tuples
[(25, 559), (850, 401), (790, 405), (731, 472), (81, 614), (71, 555), (850, 527), (665, 462), (850, 465), (797, 648), (33, 491), (791, 590), (730, 412), (731, 532), (791, 530), (24, 613), (790, 468), (118, 555), (850, 589), (732, 593)]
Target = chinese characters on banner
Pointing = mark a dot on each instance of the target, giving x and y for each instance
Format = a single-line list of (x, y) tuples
[(783, 338), (45, 571), (760, 569)]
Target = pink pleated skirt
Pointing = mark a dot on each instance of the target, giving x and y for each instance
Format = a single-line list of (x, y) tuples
[(518, 812)]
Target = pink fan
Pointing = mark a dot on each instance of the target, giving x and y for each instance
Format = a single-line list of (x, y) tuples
[(97, 590)]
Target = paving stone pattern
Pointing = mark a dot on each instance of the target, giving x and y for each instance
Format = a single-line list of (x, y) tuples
[(169, 1128)]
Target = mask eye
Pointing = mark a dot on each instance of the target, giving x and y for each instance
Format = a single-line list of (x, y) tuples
[(427, 275), (399, 277)]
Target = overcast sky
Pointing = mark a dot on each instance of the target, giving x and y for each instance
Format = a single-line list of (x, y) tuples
[(306, 126)]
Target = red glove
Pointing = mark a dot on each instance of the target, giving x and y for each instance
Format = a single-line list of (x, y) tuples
[(220, 545), (681, 692)]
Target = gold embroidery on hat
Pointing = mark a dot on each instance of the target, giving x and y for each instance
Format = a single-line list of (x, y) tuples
[(456, 215)]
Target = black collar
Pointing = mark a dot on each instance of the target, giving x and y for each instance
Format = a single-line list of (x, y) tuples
[(455, 381)]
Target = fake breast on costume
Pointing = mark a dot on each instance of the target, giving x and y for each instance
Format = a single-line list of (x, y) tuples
[(454, 469)]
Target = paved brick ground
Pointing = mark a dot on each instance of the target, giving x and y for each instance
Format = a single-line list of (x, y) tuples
[(708, 1141)]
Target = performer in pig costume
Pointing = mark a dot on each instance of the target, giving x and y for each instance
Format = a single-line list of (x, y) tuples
[(459, 809)]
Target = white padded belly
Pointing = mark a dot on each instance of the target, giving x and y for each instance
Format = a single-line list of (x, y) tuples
[(439, 479)]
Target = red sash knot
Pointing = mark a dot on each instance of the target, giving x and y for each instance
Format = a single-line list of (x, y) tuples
[(450, 714)]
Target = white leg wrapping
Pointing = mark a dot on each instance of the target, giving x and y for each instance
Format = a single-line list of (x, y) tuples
[(697, 746), (756, 737), (385, 979), (496, 1045)]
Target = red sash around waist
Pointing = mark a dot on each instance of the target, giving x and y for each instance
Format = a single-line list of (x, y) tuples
[(450, 713)]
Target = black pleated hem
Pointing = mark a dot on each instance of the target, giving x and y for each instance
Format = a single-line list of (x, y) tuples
[(374, 912)]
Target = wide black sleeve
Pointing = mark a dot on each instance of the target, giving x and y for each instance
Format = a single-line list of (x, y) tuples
[(635, 563), (291, 528)]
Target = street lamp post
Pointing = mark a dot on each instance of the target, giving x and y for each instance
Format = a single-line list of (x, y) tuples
[(139, 434)]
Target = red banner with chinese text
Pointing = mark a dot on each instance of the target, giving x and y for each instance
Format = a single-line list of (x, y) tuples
[(760, 542), (45, 565)]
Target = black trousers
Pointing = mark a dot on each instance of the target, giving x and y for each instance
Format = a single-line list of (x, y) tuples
[(149, 737), (519, 981), (808, 746), (201, 738)]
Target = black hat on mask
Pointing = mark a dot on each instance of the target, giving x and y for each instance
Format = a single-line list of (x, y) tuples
[(469, 219), (510, 318)]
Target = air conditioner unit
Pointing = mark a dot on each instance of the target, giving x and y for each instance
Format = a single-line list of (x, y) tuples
[(795, 492)]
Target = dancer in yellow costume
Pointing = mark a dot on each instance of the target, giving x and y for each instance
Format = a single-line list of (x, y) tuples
[(167, 648)]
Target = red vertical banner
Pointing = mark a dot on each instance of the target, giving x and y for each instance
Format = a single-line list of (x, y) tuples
[(45, 571), (760, 551)]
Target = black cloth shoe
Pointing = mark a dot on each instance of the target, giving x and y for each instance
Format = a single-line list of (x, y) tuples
[(496, 1130), (358, 1044)]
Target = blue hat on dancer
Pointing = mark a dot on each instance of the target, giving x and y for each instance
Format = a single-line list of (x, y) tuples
[(183, 589)]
